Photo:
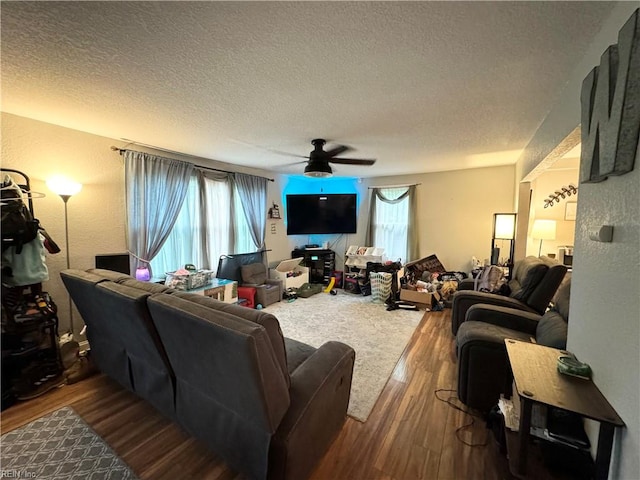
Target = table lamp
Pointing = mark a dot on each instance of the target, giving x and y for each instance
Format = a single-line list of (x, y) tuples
[(543, 230)]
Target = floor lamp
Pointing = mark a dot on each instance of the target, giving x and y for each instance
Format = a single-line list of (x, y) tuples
[(66, 189), (504, 228), (543, 230)]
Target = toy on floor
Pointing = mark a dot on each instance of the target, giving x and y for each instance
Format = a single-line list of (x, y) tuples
[(330, 286), (393, 304)]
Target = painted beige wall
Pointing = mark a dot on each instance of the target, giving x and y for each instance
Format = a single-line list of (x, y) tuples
[(455, 211), (542, 186), (96, 214), (604, 329)]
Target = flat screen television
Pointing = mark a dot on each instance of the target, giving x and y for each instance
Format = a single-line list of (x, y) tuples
[(321, 213)]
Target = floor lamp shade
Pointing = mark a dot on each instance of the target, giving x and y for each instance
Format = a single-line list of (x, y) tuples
[(64, 186), (543, 230)]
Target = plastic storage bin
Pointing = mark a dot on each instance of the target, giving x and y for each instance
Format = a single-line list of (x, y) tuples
[(189, 282)]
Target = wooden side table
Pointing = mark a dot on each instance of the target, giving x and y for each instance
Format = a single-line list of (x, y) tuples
[(537, 380)]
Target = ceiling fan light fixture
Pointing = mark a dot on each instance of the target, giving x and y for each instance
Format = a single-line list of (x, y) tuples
[(318, 170)]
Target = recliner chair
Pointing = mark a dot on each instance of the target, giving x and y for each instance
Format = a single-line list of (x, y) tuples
[(483, 365), (533, 284), (268, 290)]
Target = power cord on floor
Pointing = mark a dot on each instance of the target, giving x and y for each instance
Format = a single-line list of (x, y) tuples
[(450, 401)]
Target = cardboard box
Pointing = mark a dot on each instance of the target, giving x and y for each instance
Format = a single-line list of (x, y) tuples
[(292, 274), (424, 298)]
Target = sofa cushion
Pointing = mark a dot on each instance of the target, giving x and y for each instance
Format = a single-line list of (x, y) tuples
[(109, 275), (202, 342), (487, 332), (297, 353), (561, 299), (254, 273), (267, 320), (527, 274), (552, 330), (148, 287)]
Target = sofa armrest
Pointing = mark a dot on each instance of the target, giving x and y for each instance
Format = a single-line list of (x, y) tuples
[(275, 281), (465, 299), (319, 396), (512, 318)]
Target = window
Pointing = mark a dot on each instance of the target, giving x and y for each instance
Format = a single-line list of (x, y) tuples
[(203, 230), (390, 222)]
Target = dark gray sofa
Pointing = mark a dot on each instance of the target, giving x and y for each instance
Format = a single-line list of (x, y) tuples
[(483, 366), (268, 405), (533, 284)]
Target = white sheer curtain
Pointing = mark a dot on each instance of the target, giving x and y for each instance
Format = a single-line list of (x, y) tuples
[(203, 230), (183, 244), (390, 223), (220, 221)]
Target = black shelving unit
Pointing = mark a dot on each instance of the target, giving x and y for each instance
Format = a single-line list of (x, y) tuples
[(321, 263), (31, 362)]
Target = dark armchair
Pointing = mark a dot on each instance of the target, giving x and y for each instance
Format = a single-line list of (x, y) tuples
[(483, 366), (533, 284)]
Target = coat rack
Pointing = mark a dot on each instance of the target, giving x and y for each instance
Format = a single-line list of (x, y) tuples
[(558, 195)]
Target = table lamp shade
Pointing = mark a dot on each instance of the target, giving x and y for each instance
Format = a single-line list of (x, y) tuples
[(544, 229)]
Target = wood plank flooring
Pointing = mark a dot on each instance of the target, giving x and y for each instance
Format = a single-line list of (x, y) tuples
[(409, 435)]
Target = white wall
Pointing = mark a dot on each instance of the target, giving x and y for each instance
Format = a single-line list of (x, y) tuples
[(604, 327)]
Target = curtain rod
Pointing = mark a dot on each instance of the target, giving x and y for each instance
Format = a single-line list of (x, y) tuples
[(396, 186), (160, 149)]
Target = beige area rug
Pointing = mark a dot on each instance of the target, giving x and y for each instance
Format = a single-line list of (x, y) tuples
[(379, 337)]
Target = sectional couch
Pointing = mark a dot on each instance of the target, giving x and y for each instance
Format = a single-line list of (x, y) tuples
[(269, 406)]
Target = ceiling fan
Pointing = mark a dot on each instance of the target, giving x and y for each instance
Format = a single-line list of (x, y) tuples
[(319, 159)]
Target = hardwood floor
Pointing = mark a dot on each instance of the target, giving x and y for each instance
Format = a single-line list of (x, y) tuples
[(409, 435)]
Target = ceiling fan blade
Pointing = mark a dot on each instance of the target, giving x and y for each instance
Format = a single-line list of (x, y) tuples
[(352, 161), (286, 165), (337, 150), (279, 152), (268, 149)]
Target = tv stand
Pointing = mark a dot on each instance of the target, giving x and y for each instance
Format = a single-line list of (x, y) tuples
[(320, 261)]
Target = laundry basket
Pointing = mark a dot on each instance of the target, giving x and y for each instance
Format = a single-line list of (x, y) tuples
[(380, 286)]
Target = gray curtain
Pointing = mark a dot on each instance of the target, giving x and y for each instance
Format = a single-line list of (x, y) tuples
[(155, 190), (253, 195), (413, 247)]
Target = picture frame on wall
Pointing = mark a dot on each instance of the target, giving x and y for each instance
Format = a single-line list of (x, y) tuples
[(570, 210)]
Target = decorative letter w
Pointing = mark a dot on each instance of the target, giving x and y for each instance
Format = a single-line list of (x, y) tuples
[(610, 102)]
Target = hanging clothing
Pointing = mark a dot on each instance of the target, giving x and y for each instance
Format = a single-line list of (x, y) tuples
[(27, 267)]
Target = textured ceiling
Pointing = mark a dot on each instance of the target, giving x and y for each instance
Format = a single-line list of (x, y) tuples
[(421, 86)]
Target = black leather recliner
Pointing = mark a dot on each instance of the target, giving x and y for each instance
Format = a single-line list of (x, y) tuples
[(533, 284)]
